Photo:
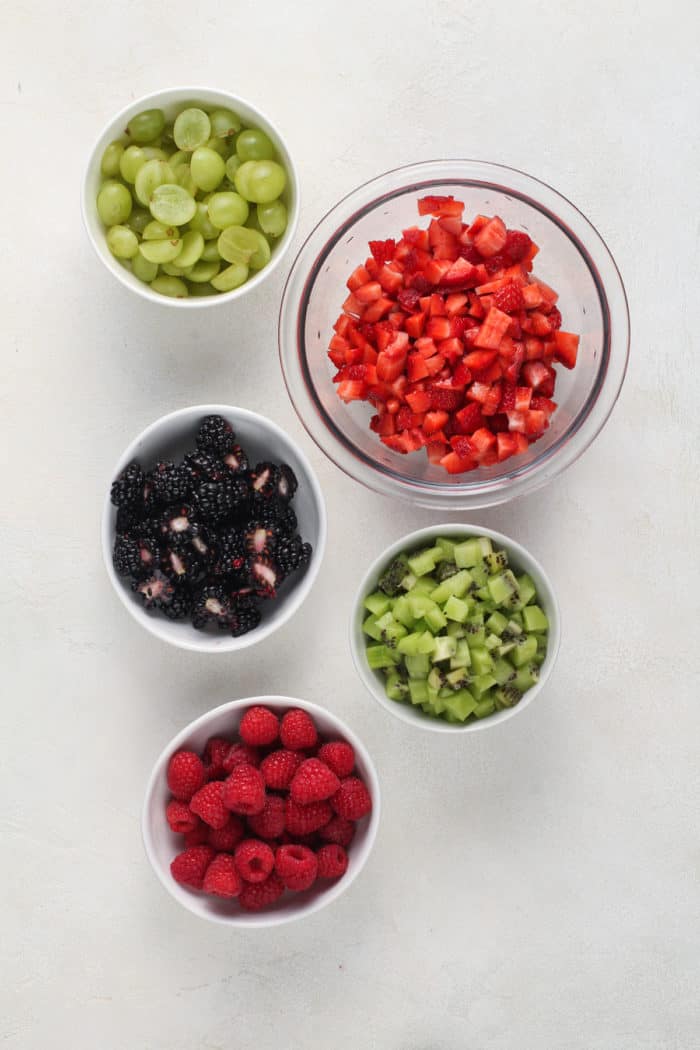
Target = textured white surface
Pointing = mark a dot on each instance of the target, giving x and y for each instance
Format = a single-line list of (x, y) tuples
[(534, 887)]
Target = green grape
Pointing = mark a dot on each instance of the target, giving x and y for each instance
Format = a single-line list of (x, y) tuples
[(254, 144), (132, 160), (179, 157), (114, 203), (122, 242), (192, 128), (208, 168), (272, 218), (227, 209), (160, 251), (173, 270), (139, 219), (183, 177), (210, 252), (238, 244), (192, 248), (172, 204), (109, 165), (220, 146), (200, 291), (143, 269), (260, 181), (155, 153), (200, 221), (230, 278), (146, 126), (224, 123), (232, 165), (158, 231), (154, 173), (172, 286), (203, 271)]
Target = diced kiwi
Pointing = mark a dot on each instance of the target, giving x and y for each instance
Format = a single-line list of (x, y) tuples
[(444, 570), (417, 666), (390, 580), (380, 656), (506, 696), (445, 648), (456, 609), (525, 677), (435, 619), (503, 671), (496, 562), (527, 589), (424, 585), (422, 563), (460, 704), (492, 642), (426, 643), (377, 603), (479, 574), (503, 588), (408, 645), (448, 547), (534, 619), (456, 586), (396, 687), (418, 690), (462, 657), (472, 551), (525, 649), (371, 629), (481, 684), (497, 623), (420, 604), (482, 662), (402, 612), (485, 707)]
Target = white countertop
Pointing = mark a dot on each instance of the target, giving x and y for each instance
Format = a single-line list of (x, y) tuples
[(534, 887)]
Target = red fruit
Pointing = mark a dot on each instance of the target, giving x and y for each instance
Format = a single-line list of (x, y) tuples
[(269, 824), (338, 755), (456, 464), (259, 727), (303, 820), (254, 860), (297, 731), (189, 867), (296, 866), (440, 206), (494, 327), (332, 861), (225, 840), (383, 251), (208, 804), (517, 245), (567, 348), (339, 830), (554, 318), (180, 818), (215, 751), (445, 397), (352, 799), (221, 878), (469, 418), (313, 782), (509, 298), (185, 775), (238, 753), (279, 767), (244, 790), (255, 896), (491, 238), (537, 374), (199, 836)]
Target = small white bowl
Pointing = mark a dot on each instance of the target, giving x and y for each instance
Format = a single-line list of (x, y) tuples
[(162, 844), (521, 559), (168, 438), (170, 101)]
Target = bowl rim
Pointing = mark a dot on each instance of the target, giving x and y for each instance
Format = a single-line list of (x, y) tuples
[(470, 493), (525, 561), (329, 894), (155, 626), (281, 248)]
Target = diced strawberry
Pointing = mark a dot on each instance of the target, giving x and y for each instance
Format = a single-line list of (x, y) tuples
[(532, 296), (377, 309), (419, 400), (352, 390), (506, 446), (567, 348), (443, 244), (357, 278), (489, 405), (368, 293), (439, 328), (406, 441), (406, 419), (491, 238), (337, 357), (414, 325), (462, 445), (455, 464), (408, 298), (436, 451), (543, 404), (435, 364), (507, 398), (451, 349), (517, 245), (434, 421), (547, 293), (498, 423), (437, 305), (523, 396), (535, 422), (372, 267), (440, 206), (497, 265), (477, 360), (493, 329), (533, 348), (460, 275), (446, 397), (479, 223), (554, 318), (383, 251), (452, 224), (352, 306), (492, 286), (536, 374), (476, 307), (391, 279), (416, 237), (390, 366), (416, 367), (540, 323), (469, 252), (461, 375), (516, 421), (426, 346), (387, 425), (509, 298), (435, 270), (482, 441), (455, 304)]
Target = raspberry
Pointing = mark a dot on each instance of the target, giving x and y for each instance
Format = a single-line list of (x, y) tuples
[(298, 731), (244, 790), (313, 782), (198, 837), (215, 751), (338, 756), (185, 775), (257, 895), (225, 840), (238, 753), (189, 867), (296, 866), (180, 818), (303, 820), (270, 823), (339, 830), (517, 245), (509, 298), (254, 860), (332, 862), (259, 727), (279, 767), (221, 878), (208, 804), (352, 799)]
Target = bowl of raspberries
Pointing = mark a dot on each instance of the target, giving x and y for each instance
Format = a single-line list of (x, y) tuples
[(213, 528), (261, 811)]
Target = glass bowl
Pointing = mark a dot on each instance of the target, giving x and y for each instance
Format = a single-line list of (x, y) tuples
[(573, 259)]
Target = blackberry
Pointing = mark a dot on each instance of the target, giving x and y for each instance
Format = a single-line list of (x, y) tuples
[(217, 499), (235, 460), (180, 524), (264, 479), (287, 523), (231, 552), (180, 605), (287, 483), (245, 616), (259, 539), (265, 576), (128, 521), (127, 490), (156, 591), (126, 556), (293, 554), (211, 606), (215, 435), (202, 466), (183, 563), (169, 483)]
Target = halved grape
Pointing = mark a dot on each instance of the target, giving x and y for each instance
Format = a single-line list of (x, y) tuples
[(109, 165), (200, 221), (210, 252), (203, 271), (179, 157), (272, 218), (224, 123), (207, 168), (174, 270), (230, 278), (227, 209), (155, 153), (122, 242), (238, 244), (114, 203), (192, 248), (131, 161), (154, 173), (139, 219), (261, 181), (254, 144), (183, 177), (232, 165), (192, 128), (146, 126), (158, 231), (200, 291), (172, 204), (160, 251), (175, 287), (143, 269)]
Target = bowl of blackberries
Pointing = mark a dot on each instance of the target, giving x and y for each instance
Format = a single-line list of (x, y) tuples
[(213, 528)]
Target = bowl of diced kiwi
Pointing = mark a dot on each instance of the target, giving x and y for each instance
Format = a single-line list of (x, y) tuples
[(455, 628), (190, 197)]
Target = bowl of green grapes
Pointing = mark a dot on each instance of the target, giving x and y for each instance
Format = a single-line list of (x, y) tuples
[(190, 197)]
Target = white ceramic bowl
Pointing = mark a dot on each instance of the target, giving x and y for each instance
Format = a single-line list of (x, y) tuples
[(162, 844), (170, 101), (521, 559), (168, 438)]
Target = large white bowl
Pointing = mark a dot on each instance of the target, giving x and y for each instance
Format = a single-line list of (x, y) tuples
[(519, 558), (171, 101), (168, 438), (162, 844)]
